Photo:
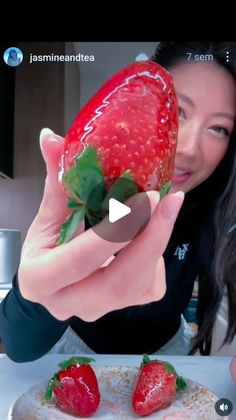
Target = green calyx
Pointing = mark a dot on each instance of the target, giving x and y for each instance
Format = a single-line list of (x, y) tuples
[(75, 361), (84, 178), (146, 360), (53, 382), (180, 382), (165, 189), (88, 192)]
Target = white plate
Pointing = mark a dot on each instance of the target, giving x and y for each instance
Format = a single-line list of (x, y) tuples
[(116, 386)]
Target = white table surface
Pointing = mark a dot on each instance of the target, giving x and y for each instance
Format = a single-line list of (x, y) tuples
[(212, 372), (4, 289)]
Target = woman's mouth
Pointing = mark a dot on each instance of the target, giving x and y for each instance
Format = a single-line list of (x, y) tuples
[(180, 176)]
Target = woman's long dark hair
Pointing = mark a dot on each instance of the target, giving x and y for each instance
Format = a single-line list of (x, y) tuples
[(218, 198)]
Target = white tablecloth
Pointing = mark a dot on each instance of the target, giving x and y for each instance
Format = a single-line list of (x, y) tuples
[(212, 372)]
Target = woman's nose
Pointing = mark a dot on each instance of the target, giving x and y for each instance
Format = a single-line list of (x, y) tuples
[(188, 141)]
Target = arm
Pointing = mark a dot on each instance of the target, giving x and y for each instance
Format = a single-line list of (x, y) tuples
[(66, 280), (57, 283), (27, 329)]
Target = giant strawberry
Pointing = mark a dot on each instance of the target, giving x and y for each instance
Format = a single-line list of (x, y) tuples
[(156, 386), (127, 130), (76, 387)]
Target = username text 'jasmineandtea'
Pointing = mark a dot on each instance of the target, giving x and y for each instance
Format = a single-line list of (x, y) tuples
[(55, 57)]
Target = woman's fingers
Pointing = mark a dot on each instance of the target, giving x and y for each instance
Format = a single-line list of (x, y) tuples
[(161, 225), (51, 146), (154, 239), (143, 255), (53, 206), (53, 210), (135, 277), (69, 263)]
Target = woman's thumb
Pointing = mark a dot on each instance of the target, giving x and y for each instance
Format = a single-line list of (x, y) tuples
[(51, 146), (53, 206)]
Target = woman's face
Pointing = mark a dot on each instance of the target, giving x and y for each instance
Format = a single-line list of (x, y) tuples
[(207, 108), (13, 55)]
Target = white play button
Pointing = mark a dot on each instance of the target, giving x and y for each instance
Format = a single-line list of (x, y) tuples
[(124, 222), (117, 210)]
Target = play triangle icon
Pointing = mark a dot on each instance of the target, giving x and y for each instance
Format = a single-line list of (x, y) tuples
[(117, 210)]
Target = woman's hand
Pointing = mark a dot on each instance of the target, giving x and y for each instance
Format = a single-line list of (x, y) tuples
[(69, 279)]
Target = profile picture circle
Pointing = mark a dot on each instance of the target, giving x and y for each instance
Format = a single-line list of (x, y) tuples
[(13, 56)]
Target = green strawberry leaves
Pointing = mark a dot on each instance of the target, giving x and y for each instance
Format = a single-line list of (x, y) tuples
[(49, 390), (75, 361), (87, 187), (80, 181), (65, 364), (165, 189), (147, 360), (122, 189), (89, 177), (95, 217), (86, 184), (72, 223), (180, 382), (71, 182), (84, 176)]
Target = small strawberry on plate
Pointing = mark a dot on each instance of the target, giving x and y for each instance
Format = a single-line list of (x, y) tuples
[(156, 387), (75, 387)]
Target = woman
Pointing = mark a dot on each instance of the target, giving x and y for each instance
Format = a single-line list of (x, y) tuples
[(217, 196), (115, 309), (13, 59)]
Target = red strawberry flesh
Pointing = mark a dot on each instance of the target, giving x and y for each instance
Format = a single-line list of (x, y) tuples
[(155, 391), (75, 387), (128, 129), (156, 386), (132, 123), (77, 395)]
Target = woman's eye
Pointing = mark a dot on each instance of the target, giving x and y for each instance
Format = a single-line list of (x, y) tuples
[(220, 130), (181, 113)]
